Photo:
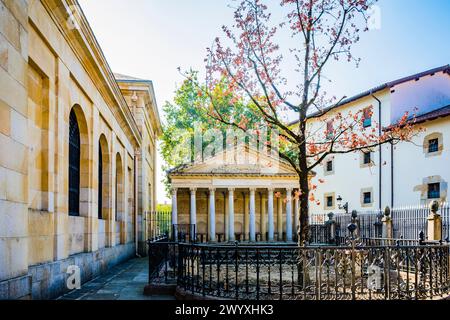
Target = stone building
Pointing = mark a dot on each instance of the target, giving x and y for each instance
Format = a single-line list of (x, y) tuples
[(248, 200), (77, 151)]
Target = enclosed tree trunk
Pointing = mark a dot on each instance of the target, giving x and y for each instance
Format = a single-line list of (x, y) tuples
[(303, 231)]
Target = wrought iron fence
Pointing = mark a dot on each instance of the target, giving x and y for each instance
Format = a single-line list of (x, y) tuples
[(159, 224), (162, 261), (369, 224), (445, 214), (408, 222), (321, 273), (359, 269), (184, 233), (319, 234)]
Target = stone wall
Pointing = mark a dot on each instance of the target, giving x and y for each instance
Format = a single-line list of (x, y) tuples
[(48, 280), (48, 69), (13, 147)]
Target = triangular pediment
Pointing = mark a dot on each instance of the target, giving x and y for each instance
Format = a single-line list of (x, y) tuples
[(241, 160)]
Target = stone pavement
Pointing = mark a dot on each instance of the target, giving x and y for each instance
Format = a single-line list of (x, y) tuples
[(122, 282)]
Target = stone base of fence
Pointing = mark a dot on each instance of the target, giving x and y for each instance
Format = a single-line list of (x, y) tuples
[(160, 289), (181, 294)]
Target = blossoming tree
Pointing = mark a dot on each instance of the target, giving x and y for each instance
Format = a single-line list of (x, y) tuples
[(251, 63)]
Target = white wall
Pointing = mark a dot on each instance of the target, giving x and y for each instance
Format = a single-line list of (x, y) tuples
[(427, 94), (411, 164), (349, 179)]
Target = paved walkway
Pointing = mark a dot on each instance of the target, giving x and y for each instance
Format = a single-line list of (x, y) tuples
[(122, 282)]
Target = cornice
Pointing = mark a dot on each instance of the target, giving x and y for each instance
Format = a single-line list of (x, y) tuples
[(129, 86), (85, 46)]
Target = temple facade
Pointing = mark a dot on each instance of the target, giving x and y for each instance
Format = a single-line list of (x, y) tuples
[(252, 200), (77, 152)]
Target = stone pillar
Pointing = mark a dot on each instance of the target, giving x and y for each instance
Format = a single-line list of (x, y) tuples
[(296, 215), (193, 215), (231, 236), (434, 223), (288, 215), (280, 218), (387, 224), (212, 215), (174, 214), (111, 219), (263, 225), (270, 223), (252, 227), (246, 220), (331, 228), (226, 216)]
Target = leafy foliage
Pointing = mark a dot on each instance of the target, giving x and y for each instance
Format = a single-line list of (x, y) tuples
[(246, 70)]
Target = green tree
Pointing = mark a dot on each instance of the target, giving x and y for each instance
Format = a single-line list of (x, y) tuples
[(191, 111)]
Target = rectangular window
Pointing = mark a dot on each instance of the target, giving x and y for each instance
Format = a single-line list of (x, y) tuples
[(367, 197), (329, 166), (433, 145), (367, 118), (434, 191), (367, 157), (329, 201), (330, 129)]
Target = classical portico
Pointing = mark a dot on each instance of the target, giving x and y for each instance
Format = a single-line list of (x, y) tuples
[(228, 202)]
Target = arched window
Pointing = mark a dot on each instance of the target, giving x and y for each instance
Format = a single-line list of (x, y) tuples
[(74, 166), (116, 215), (100, 181)]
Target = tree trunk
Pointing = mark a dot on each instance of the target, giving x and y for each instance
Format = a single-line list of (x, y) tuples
[(303, 227), (303, 230)]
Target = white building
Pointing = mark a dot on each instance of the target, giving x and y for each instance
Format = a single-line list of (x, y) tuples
[(409, 173)]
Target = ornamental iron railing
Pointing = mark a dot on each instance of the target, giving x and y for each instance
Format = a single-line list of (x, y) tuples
[(407, 223), (159, 224), (269, 273), (355, 272)]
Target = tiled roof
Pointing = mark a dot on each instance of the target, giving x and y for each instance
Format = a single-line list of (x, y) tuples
[(432, 115)]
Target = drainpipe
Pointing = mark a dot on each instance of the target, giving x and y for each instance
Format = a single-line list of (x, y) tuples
[(392, 175), (380, 155)]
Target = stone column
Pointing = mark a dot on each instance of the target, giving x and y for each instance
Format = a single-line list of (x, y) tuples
[(193, 212), (387, 232), (270, 222), (174, 213), (434, 225), (280, 218), (246, 220), (226, 216), (212, 215), (331, 228), (296, 214), (231, 236), (252, 227), (288, 215), (263, 226)]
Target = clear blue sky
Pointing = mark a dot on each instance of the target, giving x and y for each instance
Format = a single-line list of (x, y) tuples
[(151, 38)]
